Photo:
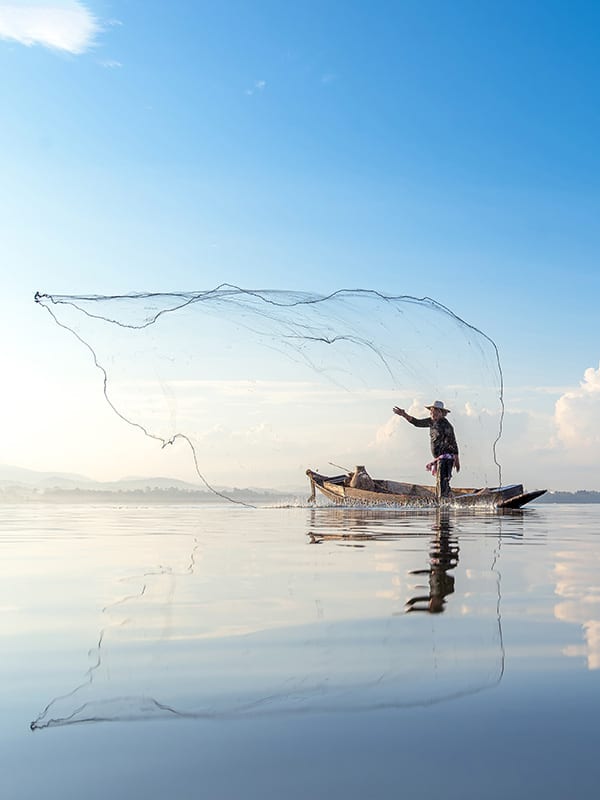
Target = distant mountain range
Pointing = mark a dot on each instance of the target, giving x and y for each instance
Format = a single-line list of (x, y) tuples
[(580, 496), (27, 485), (29, 477), (18, 484)]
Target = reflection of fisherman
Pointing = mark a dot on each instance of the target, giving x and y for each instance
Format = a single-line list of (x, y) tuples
[(443, 444), (443, 556)]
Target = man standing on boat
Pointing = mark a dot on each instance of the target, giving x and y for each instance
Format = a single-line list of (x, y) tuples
[(443, 444)]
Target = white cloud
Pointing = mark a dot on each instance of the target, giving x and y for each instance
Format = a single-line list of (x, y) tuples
[(66, 25), (553, 445), (257, 86), (386, 433), (576, 416)]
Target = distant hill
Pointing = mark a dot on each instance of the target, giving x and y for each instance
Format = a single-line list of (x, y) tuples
[(581, 496), (130, 484), (30, 477), (25, 485)]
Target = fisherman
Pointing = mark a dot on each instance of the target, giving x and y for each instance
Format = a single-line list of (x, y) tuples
[(443, 444)]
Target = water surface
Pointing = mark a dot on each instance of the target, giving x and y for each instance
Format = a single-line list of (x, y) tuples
[(228, 652)]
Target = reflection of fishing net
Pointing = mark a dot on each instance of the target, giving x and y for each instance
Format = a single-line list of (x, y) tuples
[(263, 384), (257, 622)]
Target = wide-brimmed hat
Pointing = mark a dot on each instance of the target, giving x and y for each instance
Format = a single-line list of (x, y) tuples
[(440, 405)]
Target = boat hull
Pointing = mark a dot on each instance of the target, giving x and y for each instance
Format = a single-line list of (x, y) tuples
[(394, 493)]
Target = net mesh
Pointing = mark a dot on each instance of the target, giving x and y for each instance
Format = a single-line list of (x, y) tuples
[(258, 385)]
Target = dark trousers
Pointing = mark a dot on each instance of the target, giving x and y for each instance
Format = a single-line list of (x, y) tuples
[(444, 473)]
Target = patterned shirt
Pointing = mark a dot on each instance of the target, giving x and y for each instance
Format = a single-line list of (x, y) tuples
[(441, 434)]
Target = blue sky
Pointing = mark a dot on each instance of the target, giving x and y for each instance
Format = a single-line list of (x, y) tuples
[(427, 148)]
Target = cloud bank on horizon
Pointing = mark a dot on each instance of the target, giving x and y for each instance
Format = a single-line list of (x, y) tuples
[(65, 25), (576, 415)]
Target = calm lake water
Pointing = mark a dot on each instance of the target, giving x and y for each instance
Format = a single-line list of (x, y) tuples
[(178, 652)]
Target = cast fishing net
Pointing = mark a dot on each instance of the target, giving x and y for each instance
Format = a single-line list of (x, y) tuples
[(253, 387)]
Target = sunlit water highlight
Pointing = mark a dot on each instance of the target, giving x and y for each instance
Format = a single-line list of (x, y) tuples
[(259, 626)]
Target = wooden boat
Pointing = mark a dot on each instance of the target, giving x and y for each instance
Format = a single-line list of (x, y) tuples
[(394, 493)]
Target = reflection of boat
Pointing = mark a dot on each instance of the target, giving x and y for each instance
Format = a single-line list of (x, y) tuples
[(395, 493), (465, 644)]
